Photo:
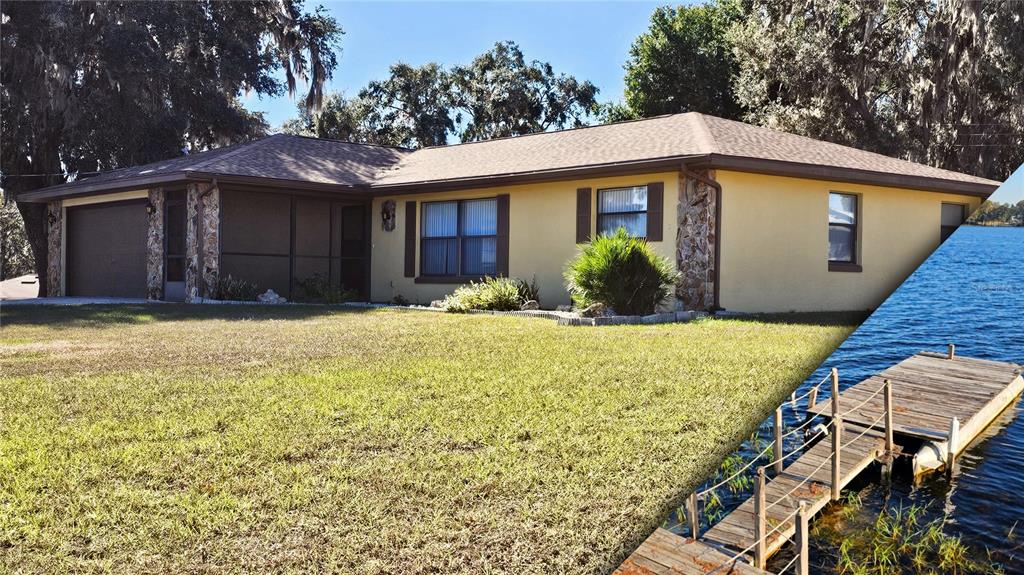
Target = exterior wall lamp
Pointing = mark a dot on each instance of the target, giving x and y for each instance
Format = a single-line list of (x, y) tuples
[(387, 215)]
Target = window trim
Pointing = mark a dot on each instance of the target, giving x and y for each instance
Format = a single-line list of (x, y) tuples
[(458, 276), (854, 264), (601, 215)]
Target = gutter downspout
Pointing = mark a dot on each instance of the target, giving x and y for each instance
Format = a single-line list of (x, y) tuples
[(718, 228)]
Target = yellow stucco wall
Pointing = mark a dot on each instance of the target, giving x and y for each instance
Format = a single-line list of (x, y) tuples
[(774, 250), (542, 234)]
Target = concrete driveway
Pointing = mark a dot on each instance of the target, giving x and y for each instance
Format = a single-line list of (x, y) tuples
[(25, 289)]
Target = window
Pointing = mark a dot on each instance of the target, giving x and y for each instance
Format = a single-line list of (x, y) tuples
[(952, 216), (460, 238), (622, 208), (842, 231)]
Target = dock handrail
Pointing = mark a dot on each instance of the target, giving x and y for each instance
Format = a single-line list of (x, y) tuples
[(761, 508), (758, 456), (866, 429), (739, 554), (736, 474), (796, 449), (799, 485), (796, 557), (793, 400), (880, 389)]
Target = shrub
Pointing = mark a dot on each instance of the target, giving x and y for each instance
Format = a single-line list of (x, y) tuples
[(234, 289), (317, 289), (528, 291), (495, 294), (621, 272)]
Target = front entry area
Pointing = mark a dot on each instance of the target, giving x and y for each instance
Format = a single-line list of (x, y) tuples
[(175, 220), (106, 250)]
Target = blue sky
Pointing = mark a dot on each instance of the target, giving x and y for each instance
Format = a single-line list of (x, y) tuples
[(589, 40), (1012, 190)]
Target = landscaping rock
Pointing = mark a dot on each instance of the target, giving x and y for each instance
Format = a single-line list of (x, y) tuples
[(595, 310), (563, 307), (530, 305), (438, 303), (270, 297)]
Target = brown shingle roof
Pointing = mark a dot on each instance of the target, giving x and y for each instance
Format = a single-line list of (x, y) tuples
[(665, 141), (674, 136), (281, 156), (736, 139), (665, 137), (288, 157)]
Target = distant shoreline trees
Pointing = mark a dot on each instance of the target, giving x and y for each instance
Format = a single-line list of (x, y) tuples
[(998, 214)]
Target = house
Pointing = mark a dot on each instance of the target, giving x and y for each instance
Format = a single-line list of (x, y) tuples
[(754, 219)]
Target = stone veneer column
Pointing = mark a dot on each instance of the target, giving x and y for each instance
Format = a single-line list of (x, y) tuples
[(202, 249), (54, 251), (210, 214), (155, 246), (695, 242)]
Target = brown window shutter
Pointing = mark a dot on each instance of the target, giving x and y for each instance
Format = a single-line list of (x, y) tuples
[(502, 255), (582, 215), (410, 239), (655, 211)]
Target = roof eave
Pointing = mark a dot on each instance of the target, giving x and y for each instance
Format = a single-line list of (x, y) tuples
[(87, 188), (847, 175)]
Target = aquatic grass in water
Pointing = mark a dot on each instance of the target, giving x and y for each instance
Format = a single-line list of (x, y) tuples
[(897, 541)]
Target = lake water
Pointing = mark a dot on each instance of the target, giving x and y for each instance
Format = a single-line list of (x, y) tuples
[(969, 292)]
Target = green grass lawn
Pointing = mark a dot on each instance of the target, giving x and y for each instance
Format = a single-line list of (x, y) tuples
[(241, 439)]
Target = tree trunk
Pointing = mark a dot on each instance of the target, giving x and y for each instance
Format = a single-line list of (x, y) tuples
[(34, 216)]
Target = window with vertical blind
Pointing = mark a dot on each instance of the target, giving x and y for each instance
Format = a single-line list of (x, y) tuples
[(842, 231), (622, 208), (460, 238)]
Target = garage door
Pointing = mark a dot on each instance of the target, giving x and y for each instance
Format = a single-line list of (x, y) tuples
[(106, 250)]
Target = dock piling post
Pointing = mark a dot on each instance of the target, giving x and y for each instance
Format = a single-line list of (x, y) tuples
[(692, 516), (801, 539), (777, 426), (760, 552), (837, 435), (890, 446), (950, 351), (951, 442), (812, 398)]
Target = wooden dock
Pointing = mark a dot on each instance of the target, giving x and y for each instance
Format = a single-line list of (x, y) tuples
[(927, 392), (930, 390)]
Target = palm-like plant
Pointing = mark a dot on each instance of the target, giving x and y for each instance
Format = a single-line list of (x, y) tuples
[(621, 272)]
